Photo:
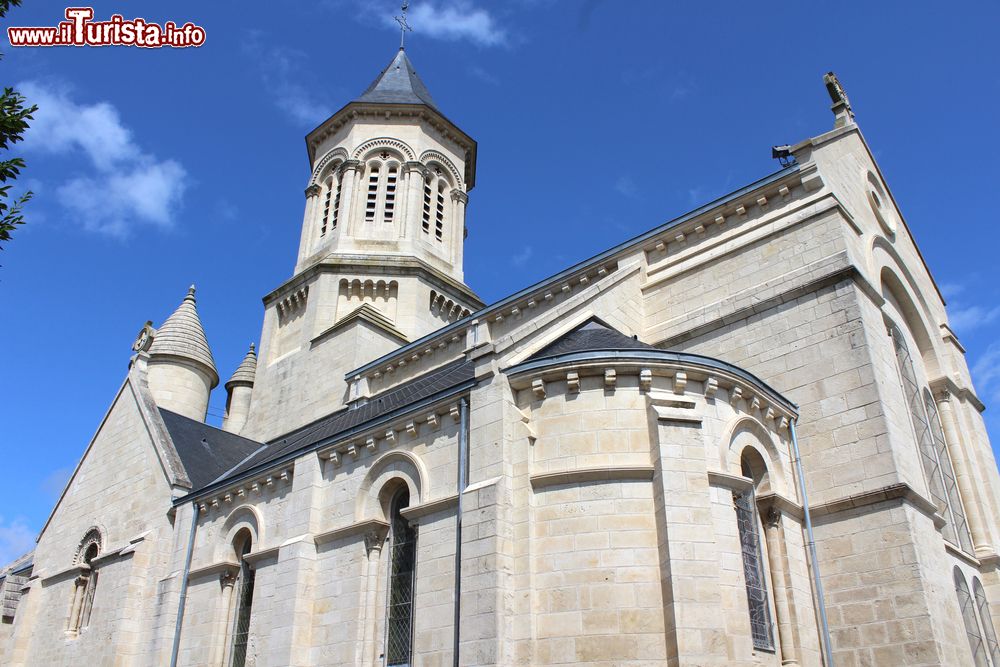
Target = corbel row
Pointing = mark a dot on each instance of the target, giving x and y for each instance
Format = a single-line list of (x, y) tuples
[(710, 387), (293, 301), (371, 443), (239, 493), (676, 239), (415, 355), (549, 294)]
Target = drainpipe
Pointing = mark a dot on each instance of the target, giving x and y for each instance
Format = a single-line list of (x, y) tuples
[(463, 477), (184, 586), (820, 602)]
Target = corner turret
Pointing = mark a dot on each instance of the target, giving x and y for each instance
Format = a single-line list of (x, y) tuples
[(238, 391), (180, 369)]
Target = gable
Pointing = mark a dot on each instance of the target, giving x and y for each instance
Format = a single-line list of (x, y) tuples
[(120, 486)]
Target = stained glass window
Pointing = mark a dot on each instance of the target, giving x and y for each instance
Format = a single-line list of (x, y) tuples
[(753, 573)]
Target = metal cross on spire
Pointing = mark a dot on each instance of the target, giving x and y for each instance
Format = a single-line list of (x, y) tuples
[(404, 27)]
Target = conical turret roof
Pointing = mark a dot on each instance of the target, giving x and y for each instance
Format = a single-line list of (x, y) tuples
[(183, 336), (246, 371), (398, 84)]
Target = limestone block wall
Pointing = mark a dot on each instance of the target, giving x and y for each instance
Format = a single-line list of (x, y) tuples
[(629, 550), (120, 490), (320, 550)]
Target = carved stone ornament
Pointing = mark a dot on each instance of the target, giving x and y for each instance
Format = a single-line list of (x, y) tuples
[(773, 517), (373, 541), (144, 339), (228, 577)]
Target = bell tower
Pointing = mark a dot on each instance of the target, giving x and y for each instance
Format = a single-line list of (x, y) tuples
[(381, 249)]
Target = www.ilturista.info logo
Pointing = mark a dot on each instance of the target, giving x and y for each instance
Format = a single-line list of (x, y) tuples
[(81, 30)]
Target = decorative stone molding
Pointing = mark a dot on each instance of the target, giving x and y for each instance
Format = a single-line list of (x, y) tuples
[(645, 379), (581, 475), (292, 302), (323, 162), (741, 210), (538, 387), (680, 382), (364, 149), (459, 196), (711, 387), (573, 382), (434, 156), (313, 191), (610, 378)]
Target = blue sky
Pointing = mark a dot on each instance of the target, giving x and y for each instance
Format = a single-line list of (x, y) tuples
[(154, 169)]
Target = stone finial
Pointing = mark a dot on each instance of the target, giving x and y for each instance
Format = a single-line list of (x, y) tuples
[(841, 107)]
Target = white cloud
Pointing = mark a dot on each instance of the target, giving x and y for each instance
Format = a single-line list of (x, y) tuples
[(626, 186), (16, 539), (278, 69), (449, 20), (986, 373), (951, 290), (521, 258), (125, 186), (966, 318)]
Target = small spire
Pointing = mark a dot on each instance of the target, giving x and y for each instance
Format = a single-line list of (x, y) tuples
[(246, 371), (190, 294)]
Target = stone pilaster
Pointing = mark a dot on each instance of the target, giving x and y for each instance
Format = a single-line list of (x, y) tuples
[(689, 568)]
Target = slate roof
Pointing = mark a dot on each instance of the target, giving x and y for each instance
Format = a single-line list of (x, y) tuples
[(592, 336), (398, 84), (386, 404), (182, 335), (206, 452)]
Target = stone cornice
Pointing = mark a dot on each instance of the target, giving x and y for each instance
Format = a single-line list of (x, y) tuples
[(946, 385), (397, 265), (431, 507)]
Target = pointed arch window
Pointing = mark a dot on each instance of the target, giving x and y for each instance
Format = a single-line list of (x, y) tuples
[(748, 525), (244, 602), (934, 455), (967, 607), (989, 632), (402, 564)]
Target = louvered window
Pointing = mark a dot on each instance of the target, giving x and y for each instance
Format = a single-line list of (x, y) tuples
[(372, 202), (439, 213), (402, 561), (753, 572), (331, 201), (390, 194), (427, 208)]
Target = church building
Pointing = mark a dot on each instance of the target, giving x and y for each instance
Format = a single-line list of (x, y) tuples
[(746, 437)]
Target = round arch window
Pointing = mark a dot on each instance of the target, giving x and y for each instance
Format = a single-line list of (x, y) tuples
[(881, 207)]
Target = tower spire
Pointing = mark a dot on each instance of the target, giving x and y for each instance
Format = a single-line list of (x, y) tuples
[(404, 27)]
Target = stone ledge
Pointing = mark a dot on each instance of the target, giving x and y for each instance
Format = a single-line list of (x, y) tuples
[(213, 569), (900, 491), (602, 474), (357, 528), (429, 508)]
